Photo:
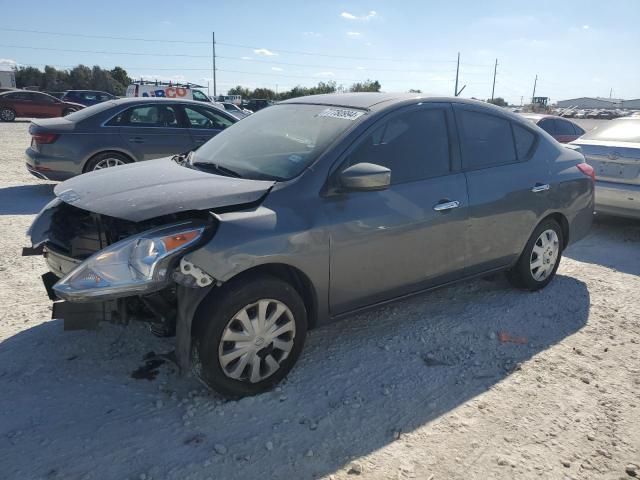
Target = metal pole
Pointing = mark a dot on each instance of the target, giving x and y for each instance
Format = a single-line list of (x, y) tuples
[(493, 89), (535, 82), (213, 57), (455, 90)]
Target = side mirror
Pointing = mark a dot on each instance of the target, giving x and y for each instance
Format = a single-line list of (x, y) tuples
[(364, 176)]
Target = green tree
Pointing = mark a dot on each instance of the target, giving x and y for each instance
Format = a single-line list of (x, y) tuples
[(499, 101), (29, 77), (121, 76), (366, 86), (80, 77)]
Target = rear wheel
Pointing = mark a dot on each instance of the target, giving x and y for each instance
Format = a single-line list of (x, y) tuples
[(540, 259), (7, 115), (251, 334), (106, 160)]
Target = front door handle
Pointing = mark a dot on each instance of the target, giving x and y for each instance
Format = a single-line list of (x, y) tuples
[(440, 207), (540, 188), (136, 139)]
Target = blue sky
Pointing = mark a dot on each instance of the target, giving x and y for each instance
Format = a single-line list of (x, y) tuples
[(576, 47)]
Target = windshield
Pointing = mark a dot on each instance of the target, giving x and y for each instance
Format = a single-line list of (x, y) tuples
[(623, 130), (277, 143)]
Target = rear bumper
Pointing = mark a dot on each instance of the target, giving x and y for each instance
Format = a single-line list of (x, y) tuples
[(618, 199), (45, 167)]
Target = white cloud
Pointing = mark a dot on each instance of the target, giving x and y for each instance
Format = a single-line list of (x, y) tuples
[(265, 52), (325, 74), (276, 69), (312, 34), (362, 18), (245, 58), (359, 68), (354, 34), (585, 27)]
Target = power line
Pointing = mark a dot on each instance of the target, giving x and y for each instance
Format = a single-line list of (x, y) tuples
[(271, 62), (194, 42), (107, 52), (105, 37)]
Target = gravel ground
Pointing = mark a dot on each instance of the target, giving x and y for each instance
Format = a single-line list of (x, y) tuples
[(426, 388)]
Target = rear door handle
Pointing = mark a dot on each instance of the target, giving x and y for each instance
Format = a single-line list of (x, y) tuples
[(136, 139), (540, 188), (439, 207)]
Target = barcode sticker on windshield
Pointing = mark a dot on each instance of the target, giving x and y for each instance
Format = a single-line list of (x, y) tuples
[(341, 113)]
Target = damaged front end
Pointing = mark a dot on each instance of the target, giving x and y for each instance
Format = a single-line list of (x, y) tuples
[(108, 269)]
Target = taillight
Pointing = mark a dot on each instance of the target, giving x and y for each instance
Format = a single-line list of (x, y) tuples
[(587, 170), (43, 138)]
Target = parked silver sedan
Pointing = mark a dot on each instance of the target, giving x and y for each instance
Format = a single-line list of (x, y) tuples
[(118, 132), (613, 150)]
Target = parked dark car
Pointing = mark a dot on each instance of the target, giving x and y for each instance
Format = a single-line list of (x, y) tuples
[(117, 132), (23, 103), (561, 129), (256, 104), (305, 212), (613, 150), (87, 97)]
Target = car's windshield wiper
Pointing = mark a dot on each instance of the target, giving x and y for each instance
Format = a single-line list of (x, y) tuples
[(217, 168)]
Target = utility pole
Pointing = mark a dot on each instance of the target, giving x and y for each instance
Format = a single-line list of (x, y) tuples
[(455, 89), (457, 92), (611, 93), (535, 82), (213, 67), (495, 70)]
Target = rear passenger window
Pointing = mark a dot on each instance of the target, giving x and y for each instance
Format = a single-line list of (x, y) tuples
[(146, 116), (524, 141), (414, 145), (564, 128), (486, 140)]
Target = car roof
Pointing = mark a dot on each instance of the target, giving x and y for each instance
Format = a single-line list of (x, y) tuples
[(134, 100), (381, 101)]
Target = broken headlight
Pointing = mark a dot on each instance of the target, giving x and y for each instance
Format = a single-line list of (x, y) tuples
[(134, 266)]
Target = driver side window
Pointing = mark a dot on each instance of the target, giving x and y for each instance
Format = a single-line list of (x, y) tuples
[(205, 118), (414, 145)]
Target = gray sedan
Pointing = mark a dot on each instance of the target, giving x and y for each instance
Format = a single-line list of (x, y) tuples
[(305, 212), (613, 150), (118, 132)]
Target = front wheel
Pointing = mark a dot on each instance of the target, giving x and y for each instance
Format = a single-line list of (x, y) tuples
[(7, 115), (249, 335), (540, 259)]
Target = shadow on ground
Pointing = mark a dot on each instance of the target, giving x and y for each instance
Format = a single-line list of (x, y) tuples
[(25, 199), (69, 396), (620, 238)]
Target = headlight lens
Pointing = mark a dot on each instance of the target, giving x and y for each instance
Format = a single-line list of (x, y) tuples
[(133, 266)]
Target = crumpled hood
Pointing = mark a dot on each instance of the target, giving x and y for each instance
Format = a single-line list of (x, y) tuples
[(145, 190)]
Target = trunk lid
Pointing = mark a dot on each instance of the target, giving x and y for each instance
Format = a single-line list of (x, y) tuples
[(145, 190), (53, 125), (613, 161)]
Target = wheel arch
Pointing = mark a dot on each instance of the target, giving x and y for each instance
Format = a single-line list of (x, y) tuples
[(287, 273), (564, 224)]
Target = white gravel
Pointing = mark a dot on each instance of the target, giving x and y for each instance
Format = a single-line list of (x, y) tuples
[(420, 389)]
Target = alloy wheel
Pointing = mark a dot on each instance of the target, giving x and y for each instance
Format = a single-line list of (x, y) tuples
[(7, 115), (257, 340), (544, 255), (108, 163)]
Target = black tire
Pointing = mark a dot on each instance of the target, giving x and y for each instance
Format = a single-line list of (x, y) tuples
[(96, 159), (218, 310), (7, 114), (521, 275)]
